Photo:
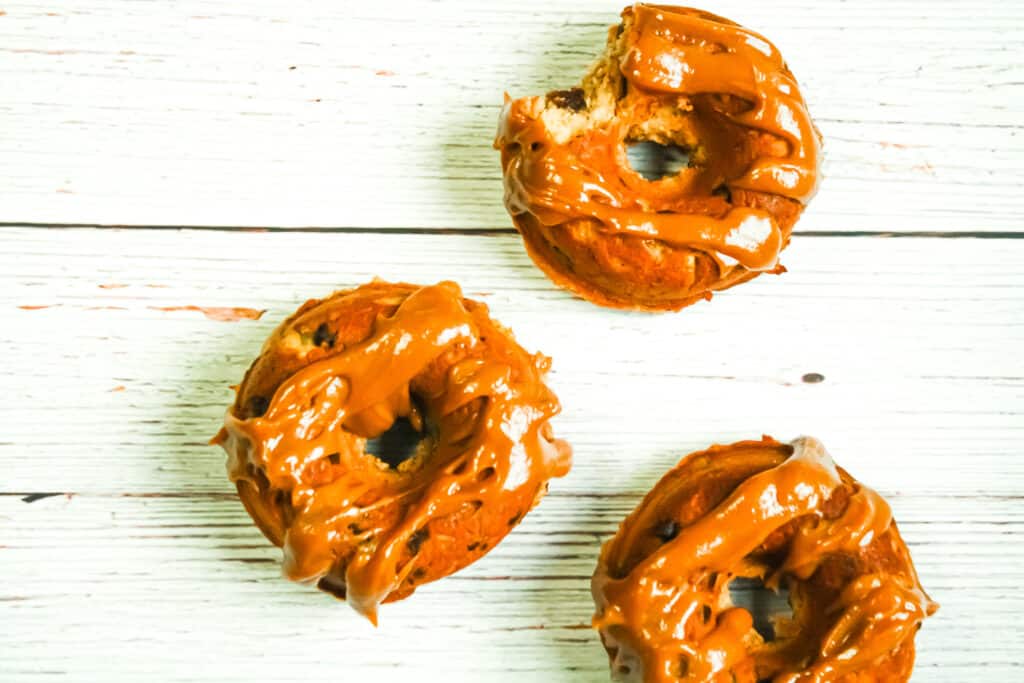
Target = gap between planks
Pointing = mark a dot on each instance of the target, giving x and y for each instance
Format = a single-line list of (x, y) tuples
[(484, 232)]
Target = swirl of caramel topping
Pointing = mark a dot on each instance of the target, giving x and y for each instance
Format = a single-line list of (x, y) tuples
[(671, 75), (344, 517), (690, 52), (785, 515)]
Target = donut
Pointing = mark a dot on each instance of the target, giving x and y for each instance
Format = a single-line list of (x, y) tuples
[(672, 76), (780, 514), (370, 526)]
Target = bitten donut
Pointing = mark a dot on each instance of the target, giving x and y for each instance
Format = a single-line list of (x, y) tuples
[(343, 370), (672, 76), (781, 514)]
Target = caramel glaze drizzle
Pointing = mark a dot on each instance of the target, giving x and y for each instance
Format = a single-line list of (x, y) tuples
[(305, 446), (673, 51), (654, 612)]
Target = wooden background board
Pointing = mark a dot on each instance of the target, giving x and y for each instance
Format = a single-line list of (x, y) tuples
[(124, 553), (379, 114)]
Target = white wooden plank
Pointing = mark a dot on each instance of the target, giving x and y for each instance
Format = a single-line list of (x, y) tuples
[(175, 589), (381, 114), (150, 568)]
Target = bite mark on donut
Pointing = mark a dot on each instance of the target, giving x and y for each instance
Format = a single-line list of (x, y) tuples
[(614, 107)]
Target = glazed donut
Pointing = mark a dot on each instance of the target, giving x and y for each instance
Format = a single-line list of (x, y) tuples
[(343, 370), (781, 514), (673, 76)]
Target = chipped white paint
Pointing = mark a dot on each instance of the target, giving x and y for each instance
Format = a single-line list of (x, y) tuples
[(314, 113), (150, 569), (116, 364)]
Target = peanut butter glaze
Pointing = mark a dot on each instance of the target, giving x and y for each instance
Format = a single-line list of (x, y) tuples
[(342, 516), (784, 515), (747, 128), (690, 52)]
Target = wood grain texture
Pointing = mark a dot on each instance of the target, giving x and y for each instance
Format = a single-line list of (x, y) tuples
[(124, 553), (144, 566), (381, 114)]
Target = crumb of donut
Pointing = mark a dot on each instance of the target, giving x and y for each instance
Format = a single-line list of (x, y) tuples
[(603, 96)]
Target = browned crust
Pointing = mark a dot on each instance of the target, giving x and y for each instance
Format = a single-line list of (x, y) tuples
[(620, 271)]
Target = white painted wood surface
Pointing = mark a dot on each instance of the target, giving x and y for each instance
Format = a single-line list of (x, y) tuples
[(314, 113), (146, 563), (144, 566)]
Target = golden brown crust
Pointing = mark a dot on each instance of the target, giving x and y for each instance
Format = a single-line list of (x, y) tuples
[(598, 228), (604, 269), (838, 553), (346, 519)]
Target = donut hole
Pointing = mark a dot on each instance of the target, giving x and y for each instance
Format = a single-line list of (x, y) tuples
[(324, 336), (654, 161), (257, 406), (399, 443), (766, 606)]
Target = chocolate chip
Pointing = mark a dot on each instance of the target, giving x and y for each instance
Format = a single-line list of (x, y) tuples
[(666, 530), (335, 458), (705, 613), (417, 540), (418, 573), (323, 336), (332, 586), (573, 99), (355, 529), (472, 546), (257, 406), (684, 666), (515, 520)]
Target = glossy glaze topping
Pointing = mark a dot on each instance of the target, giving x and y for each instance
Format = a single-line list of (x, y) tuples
[(668, 614), (486, 427), (752, 127)]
